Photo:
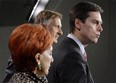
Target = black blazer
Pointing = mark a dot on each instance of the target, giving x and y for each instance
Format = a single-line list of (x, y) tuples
[(69, 65), (9, 71)]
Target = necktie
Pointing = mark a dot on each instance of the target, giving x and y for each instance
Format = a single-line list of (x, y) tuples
[(85, 56)]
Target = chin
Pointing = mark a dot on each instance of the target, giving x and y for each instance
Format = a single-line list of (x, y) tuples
[(46, 72), (95, 41)]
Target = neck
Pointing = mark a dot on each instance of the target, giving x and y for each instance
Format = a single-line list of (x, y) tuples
[(78, 36), (37, 72)]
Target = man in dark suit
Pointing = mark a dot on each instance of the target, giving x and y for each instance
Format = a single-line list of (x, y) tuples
[(70, 62)]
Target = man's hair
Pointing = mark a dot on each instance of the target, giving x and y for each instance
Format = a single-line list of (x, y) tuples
[(81, 11), (45, 15)]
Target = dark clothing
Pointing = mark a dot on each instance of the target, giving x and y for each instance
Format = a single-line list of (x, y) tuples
[(23, 77), (9, 71), (27, 77), (69, 65)]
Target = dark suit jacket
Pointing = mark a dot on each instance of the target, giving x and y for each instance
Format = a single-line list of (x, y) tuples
[(9, 71), (69, 66)]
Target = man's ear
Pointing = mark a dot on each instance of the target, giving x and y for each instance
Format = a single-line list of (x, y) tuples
[(77, 24)]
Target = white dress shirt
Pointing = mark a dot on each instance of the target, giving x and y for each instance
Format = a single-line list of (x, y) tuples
[(81, 46)]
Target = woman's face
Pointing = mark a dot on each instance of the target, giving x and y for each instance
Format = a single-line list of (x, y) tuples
[(46, 59)]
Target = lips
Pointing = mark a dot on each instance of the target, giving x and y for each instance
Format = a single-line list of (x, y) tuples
[(97, 35), (56, 37)]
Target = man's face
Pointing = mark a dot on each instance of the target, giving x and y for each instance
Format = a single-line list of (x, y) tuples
[(54, 26), (91, 29)]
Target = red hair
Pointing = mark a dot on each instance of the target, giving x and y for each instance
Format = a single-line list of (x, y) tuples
[(25, 41)]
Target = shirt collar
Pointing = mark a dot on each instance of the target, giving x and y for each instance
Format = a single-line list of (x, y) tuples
[(77, 41)]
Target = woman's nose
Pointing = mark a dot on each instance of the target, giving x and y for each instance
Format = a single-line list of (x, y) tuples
[(52, 60)]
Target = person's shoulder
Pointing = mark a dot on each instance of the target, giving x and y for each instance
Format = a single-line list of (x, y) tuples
[(20, 77)]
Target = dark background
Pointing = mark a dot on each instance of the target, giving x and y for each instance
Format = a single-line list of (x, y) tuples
[(101, 56)]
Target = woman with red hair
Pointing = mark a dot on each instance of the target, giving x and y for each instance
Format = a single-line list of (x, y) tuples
[(31, 50)]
